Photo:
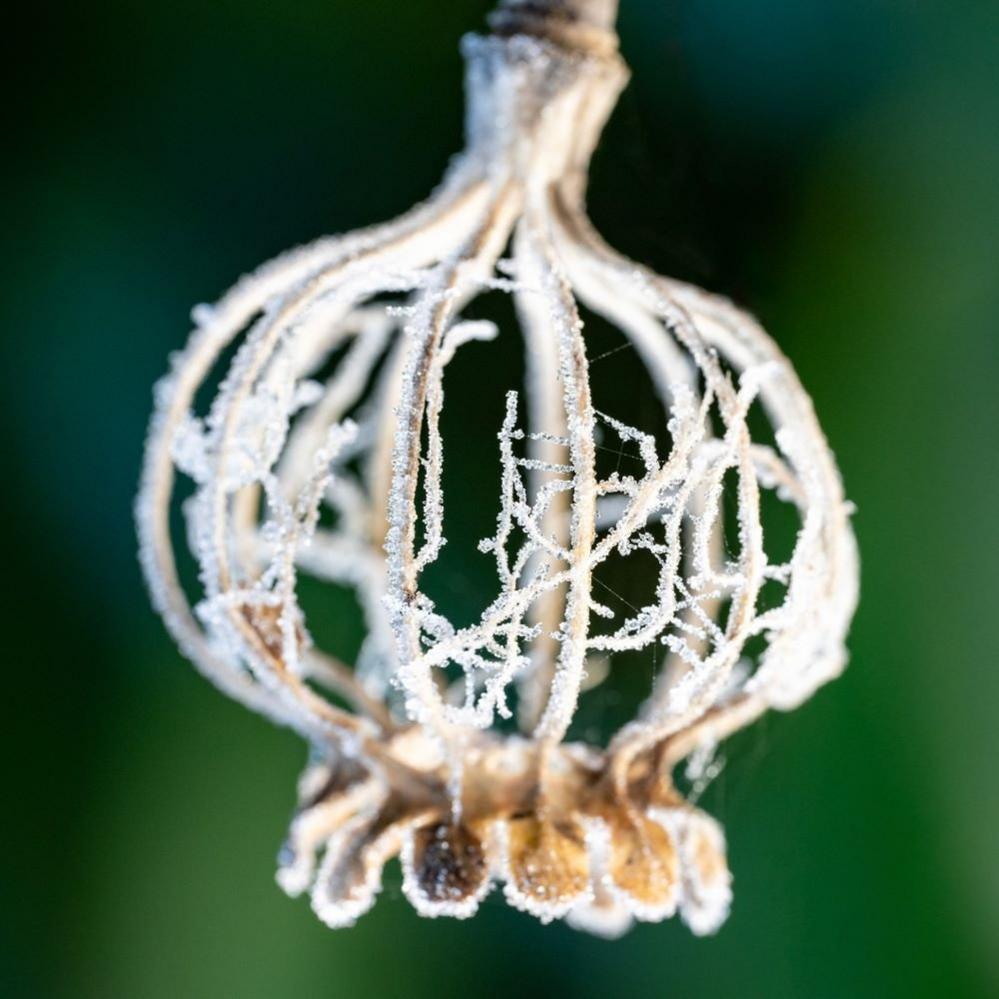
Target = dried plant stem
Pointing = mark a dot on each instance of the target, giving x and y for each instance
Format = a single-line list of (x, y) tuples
[(599, 13), (587, 25)]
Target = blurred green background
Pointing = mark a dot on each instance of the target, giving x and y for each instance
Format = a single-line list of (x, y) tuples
[(832, 164)]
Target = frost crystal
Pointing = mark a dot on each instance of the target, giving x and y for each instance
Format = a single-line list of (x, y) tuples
[(322, 454)]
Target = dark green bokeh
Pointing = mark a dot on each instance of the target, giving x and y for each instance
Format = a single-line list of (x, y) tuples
[(833, 164)]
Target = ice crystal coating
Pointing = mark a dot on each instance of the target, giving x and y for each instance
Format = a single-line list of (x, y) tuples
[(322, 454)]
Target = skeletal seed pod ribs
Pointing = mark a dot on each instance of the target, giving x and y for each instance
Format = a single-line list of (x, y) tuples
[(322, 455)]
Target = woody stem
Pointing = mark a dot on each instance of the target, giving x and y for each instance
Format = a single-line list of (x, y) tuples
[(582, 24)]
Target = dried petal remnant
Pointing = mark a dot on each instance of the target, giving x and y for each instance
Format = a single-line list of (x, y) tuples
[(707, 883), (643, 865), (447, 869), (547, 865)]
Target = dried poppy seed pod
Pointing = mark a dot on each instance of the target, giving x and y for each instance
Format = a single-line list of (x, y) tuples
[(341, 479)]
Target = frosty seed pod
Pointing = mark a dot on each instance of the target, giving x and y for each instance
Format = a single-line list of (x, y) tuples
[(322, 455)]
